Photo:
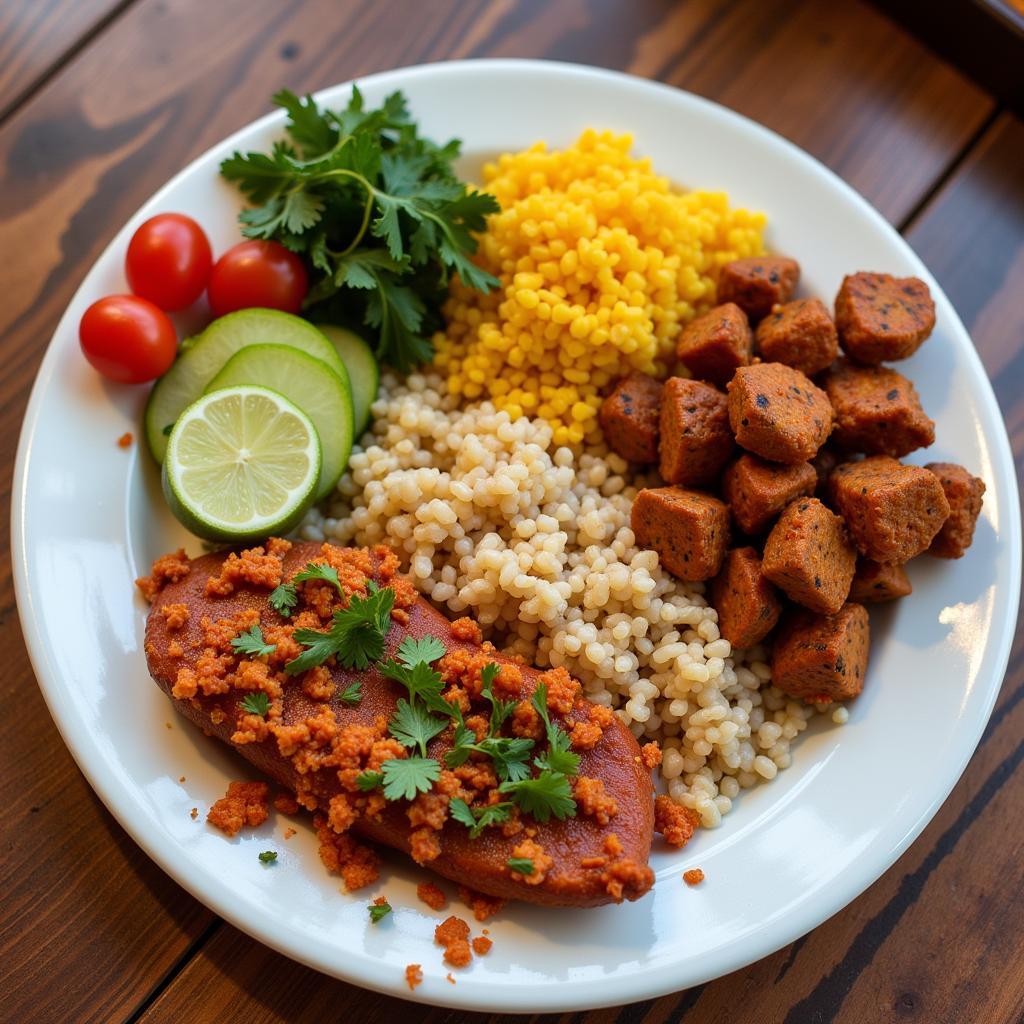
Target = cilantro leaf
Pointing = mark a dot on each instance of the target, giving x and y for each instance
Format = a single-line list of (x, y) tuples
[(378, 911), (308, 128), (559, 756), (283, 599), (354, 693), (256, 703), (500, 709), (356, 636), (421, 681), (252, 642), (404, 777), (542, 796), (509, 756), (414, 726), (369, 780), (321, 572), (476, 819), (268, 857), (426, 649), (521, 865)]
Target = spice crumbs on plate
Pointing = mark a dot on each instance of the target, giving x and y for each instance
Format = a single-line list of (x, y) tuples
[(289, 832), (413, 975), (431, 895), (482, 945), (125, 440), (285, 803), (182, 779), (194, 813), (693, 877), (245, 803), (483, 907), (453, 934), (450, 977)]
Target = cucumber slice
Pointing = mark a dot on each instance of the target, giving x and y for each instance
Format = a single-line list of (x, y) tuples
[(199, 361), (363, 371), (312, 385)]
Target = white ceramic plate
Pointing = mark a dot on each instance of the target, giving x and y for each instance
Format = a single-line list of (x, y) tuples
[(88, 519)]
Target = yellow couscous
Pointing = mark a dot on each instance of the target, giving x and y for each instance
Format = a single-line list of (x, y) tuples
[(601, 262)]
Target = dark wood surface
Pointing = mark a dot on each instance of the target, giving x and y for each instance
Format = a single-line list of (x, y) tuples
[(101, 102)]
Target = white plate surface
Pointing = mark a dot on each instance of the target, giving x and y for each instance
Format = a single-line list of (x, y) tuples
[(87, 519)]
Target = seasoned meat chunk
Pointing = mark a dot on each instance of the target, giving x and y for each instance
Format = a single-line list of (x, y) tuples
[(964, 494), (892, 511), (875, 582), (877, 410), (747, 604), (629, 418), (820, 658), (713, 345), (696, 441), (810, 557), (688, 529), (777, 413), (757, 491), (800, 334), (758, 283), (881, 318)]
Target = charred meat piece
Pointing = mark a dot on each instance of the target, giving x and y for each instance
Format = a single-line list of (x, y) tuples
[(696, 441), (881, 318), (757, 491), (876, 582), (713, 345), (748, 605), (964, 493), (800, 334), (758, 283), (629, 418), (688, 529)]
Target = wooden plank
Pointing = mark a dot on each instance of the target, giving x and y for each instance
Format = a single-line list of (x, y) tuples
[(127, 113), (36, 35)]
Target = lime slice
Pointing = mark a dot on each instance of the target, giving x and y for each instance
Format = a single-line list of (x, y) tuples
[(363, 371), (312, 385), (242, 463)]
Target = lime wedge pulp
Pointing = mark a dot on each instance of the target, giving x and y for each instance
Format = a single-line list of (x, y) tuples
[(242, 463)]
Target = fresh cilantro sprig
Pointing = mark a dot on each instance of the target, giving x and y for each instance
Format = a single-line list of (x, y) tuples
[(558, 758), (252, 642), (378, 911), (476, 819), (404, 777), (414, 725), (283, 599), (375, 210), (256, 703), (268, 857), (522, 865), (285, 596), (356, 636), (353, 693), (320, 572), (509, 753), (543, 796)]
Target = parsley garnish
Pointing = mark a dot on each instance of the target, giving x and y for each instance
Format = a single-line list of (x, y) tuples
[(543, 795), (283, 599), (268, 857), (404, 777), (375, 210), (476, 819), (413, 725), (353, 693), (522, 865), (559, 757), (369, 780), (426, 649), (378, 911), (320, 572), (509, 754), (256, 703), (356, 636), (252, 642)]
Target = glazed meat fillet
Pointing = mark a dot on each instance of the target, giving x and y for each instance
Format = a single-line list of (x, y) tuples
[(327, 740)]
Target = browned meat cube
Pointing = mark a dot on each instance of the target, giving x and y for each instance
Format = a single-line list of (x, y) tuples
[(688, 529), (892, 511), (964, 494), (877, 410), (757, 491), (747, 604), (810, 557), (881, 317), (758, 283), (713, 345), (777, 413), (874, 582), (820, 658), (800, 334), (696, 441), (629, 418)]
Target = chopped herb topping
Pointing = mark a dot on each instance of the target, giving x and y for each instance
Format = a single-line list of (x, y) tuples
[(404, 777), (283, 599), (353, 694), (543, 796), (369, 780), (256, 703), (378, 911), (252, 642), (476, 819), (413, 725), (356, 636), (522, 865), (559, 757), (268, 857), (426, 649), (323, 573)]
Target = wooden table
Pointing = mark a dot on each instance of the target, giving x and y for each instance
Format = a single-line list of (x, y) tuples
[(102, 100)]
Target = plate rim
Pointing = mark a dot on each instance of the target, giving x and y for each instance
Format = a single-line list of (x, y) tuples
[(544, 996)]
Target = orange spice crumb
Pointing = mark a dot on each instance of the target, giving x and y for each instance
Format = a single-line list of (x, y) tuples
[(245, 803), (430, 894), (594, 801), (252, 566), (413, 975), (693, 877), (650, 754), (289, 832), (194, 813), (453, 934), (483, 907), (585, 735), (285, 803), (542, 863), (677, 824), (481, 945), (450, 977), (166, 569), (125, 440), (466, 630), (175, 615), (182, 779), (341, 854)]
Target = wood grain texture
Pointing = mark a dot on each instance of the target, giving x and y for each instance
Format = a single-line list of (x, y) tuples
[(163, 82), (37, 35)]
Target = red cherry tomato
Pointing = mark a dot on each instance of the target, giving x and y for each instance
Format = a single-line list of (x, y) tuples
[(168, 261), (257, 273), (127, 338)]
